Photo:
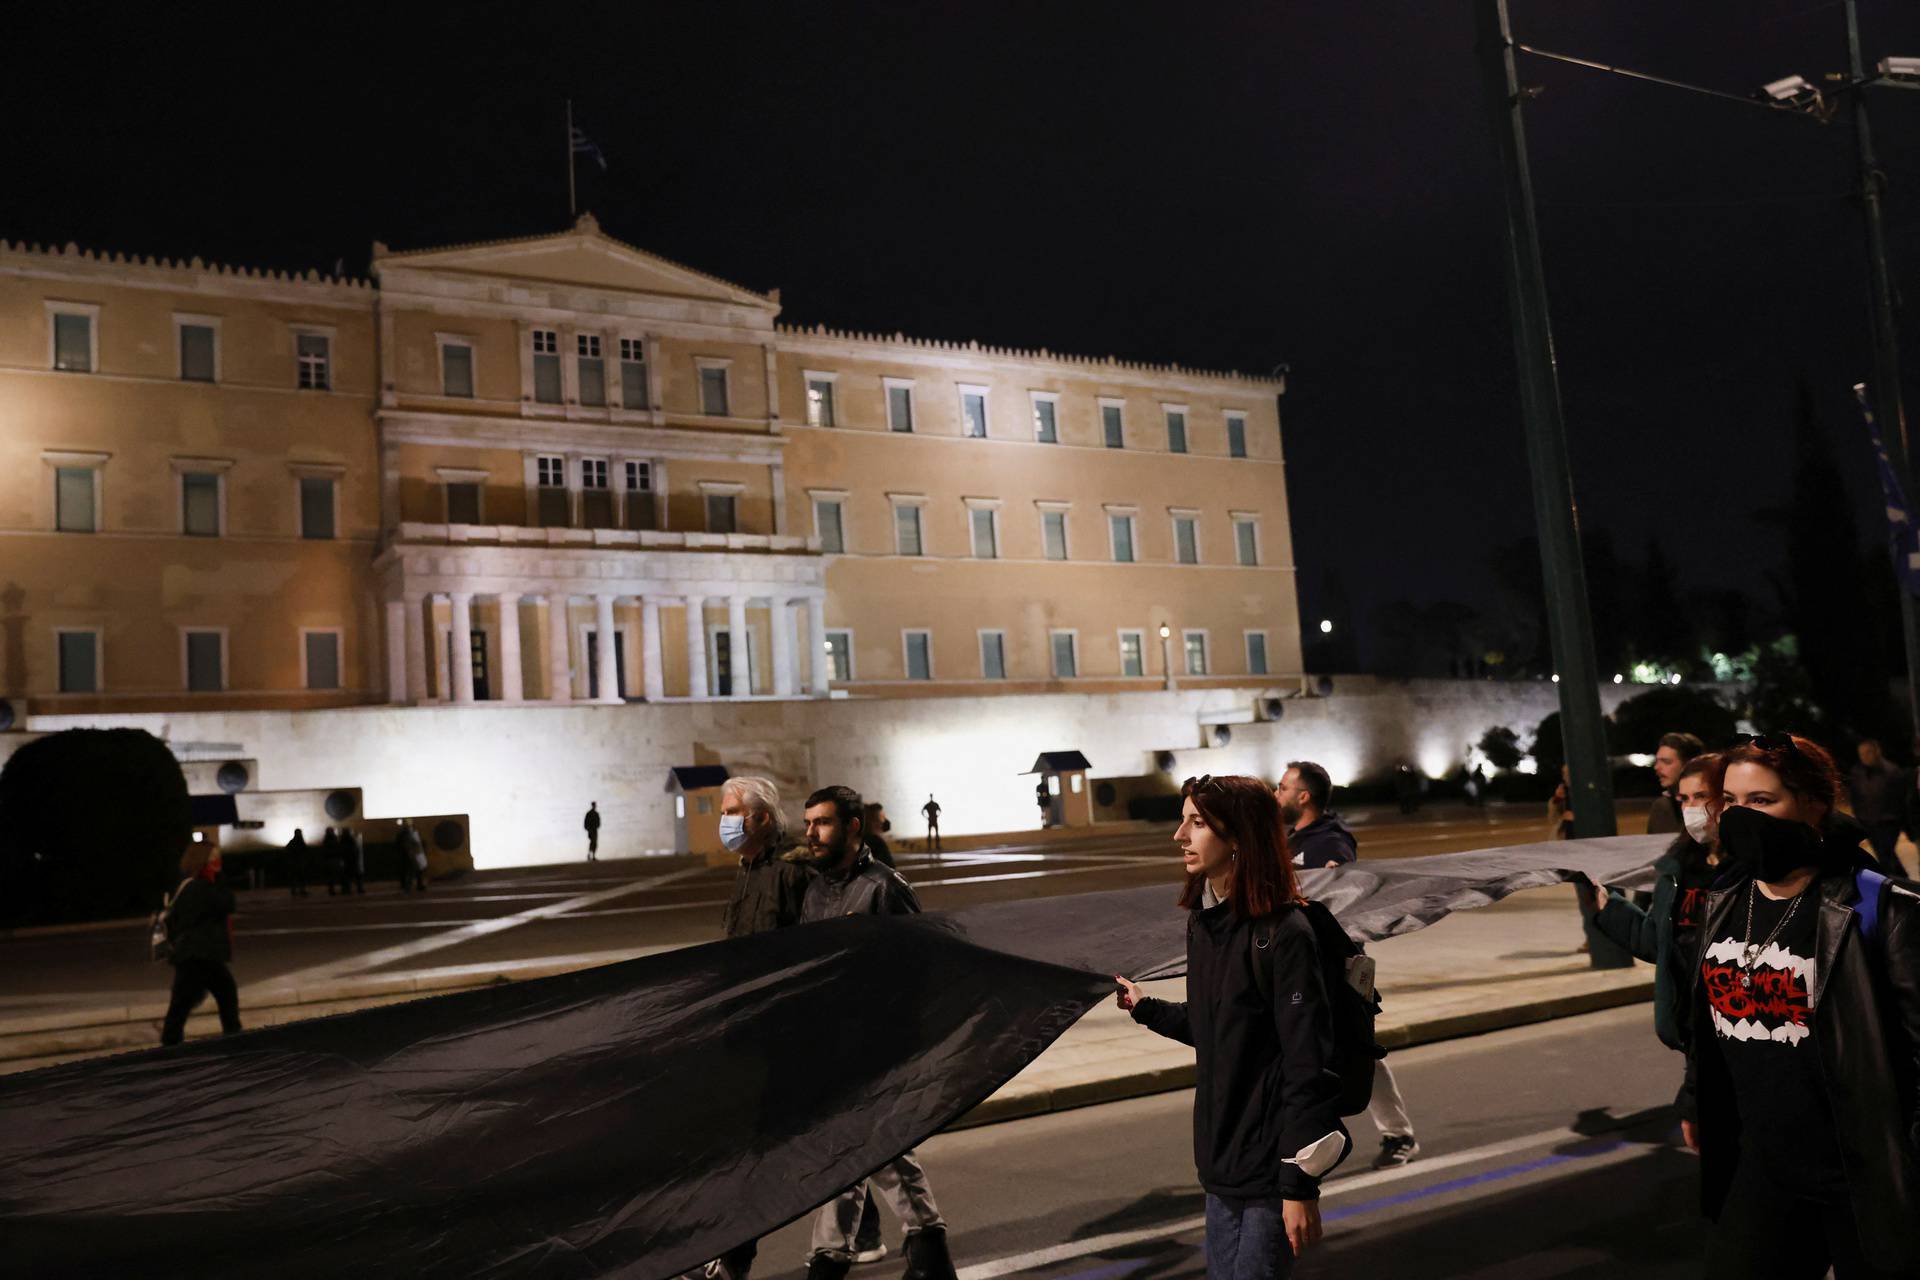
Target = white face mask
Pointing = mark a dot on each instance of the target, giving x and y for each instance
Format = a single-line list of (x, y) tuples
[(1697, 820), (733, 832)]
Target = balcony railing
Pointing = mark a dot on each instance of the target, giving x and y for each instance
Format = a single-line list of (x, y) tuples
[(513, 535)]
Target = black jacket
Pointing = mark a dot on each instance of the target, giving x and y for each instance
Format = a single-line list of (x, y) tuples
[(1324, 842), (198, 922), (1665, 817), (867, 888), (1866, 1026), (1262, 1088), (767, 893)]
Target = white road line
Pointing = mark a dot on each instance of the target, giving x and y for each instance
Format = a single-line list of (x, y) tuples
[(468, 932), (1342, 1186), (1018, 875)]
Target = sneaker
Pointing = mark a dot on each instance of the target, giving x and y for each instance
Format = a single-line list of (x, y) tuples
[(1396, 1149), (863, 1254)]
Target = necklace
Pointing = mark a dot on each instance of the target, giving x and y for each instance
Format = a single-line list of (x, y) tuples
[(1750, 953)]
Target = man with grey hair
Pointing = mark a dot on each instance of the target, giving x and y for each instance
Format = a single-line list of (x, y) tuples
[(772, 881)]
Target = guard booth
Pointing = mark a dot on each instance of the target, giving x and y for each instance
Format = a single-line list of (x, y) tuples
[(696, 810), (1063, 781)]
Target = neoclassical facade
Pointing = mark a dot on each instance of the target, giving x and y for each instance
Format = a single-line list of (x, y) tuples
[(560, 468)]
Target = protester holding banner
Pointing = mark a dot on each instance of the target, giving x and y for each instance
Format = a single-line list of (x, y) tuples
[(1265, 1114)]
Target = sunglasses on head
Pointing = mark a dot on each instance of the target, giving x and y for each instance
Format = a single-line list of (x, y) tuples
[(1201, 783)]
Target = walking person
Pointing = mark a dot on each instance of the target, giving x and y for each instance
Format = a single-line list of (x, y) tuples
[(353, 860), (1877, 788), (592, 823), (852, 882), (1320, 839), (296, 864), (332, 864), (1266, 1126), (199, 920), (1801, 1068), (1674, 752), (413, 857), (932, 810)]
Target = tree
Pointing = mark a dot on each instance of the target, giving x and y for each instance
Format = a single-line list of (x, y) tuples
[(1665, 631), (1501, 746), (1638, 723)]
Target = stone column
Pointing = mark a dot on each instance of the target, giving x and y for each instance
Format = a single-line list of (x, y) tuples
[(652, 685), (416, 648), (509, 657), (737, 646), (605, 671), (559, 667), (696, 647), (461, 603), (818, 668), (780, 611), (396, 652)]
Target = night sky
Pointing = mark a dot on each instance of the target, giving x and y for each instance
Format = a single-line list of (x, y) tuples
[(1308, 184)]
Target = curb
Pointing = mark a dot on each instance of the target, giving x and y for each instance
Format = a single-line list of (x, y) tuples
[(1140, 1084)]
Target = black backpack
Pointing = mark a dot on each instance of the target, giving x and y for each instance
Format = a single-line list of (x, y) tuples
[(1348, 973)]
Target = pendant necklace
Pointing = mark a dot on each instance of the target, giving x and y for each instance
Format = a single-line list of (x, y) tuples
[(1750, 952)]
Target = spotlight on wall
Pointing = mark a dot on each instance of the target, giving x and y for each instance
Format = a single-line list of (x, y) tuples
[(1165, 631), (1222, 735)]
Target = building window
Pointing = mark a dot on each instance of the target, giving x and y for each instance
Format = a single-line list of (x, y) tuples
[(206, 661), (1053, 534), (456, 370), (1186, 539), (550, 480), (986, 533), (320, 651), (1066, 659), (906, 529), (196, 352), (1111, 427), (1176, 430), (829, 525), (899, 405), (641, 512), (1246, 542), (596, 497), (79, 653), (1236, 435), (1046, 418), (316, 507), (1120, 528), (546, 366), (919, 646), (723, 513), (993, 655), (634, 392), (463, 502), (73, 341), (75, 499), (1133, 653), (591, 368), (839, 646), (315, 354), (820, 402), (973, 412), (1256, 653), (200, 504), (713, 391), (1196, 646)]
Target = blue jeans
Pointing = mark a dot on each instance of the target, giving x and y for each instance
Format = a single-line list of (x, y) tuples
[(1246, 1240)]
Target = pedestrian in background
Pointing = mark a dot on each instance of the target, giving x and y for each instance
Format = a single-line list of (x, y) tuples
[(332, 864), (932, 811), (296, 864), (353, 858), (874, 824), (200, 929), (413, 857), (1266, 1126), (1877, 788), (1672, 755), (592, 823)]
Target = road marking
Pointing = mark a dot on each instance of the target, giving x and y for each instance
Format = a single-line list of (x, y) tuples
[(467, 932), (1342, 1186)]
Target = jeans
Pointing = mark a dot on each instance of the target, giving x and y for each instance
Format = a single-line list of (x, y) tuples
[(1246, 1239), (902, 1182), (193, 979)]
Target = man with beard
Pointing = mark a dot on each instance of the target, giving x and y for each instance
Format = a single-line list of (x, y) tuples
[(850, 881)]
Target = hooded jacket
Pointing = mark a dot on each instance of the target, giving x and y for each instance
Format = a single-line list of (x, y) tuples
[(1866, 1028), (1648, 934), (1263, 1093), (1324, 842)]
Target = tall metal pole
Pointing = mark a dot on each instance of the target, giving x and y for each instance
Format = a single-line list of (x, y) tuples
[(573, 210), (1888, 403), (1590, 789)]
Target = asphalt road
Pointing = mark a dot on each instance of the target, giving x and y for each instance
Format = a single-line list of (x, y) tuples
[(1547, 1151)]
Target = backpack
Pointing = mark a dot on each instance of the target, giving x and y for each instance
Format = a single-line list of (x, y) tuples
[(160, 928), (1348, 974)]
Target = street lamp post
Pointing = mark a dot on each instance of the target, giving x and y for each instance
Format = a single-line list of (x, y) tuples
[(1166, 654)]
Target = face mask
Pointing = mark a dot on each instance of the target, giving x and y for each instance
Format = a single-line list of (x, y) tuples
[(1773, 847), (733, 832), (1698, 822)]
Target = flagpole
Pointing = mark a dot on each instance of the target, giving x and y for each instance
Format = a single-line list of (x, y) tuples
[(572, 205)]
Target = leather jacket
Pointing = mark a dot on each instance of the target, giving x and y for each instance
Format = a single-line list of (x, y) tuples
[(868, 887), (1866, 1028)]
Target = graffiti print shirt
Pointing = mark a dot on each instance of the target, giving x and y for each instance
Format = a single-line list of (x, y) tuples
[(1764, 1025)]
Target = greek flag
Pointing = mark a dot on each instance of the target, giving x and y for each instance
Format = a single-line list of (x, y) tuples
[(585, 146), (1906, 546)]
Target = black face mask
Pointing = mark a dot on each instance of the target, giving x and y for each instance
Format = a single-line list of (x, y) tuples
[(1774, 848)]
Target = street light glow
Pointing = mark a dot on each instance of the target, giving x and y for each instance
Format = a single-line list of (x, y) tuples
[(1618, 678), (1165, 631), (1326, 626)]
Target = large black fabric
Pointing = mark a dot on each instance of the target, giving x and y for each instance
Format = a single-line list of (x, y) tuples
[(632, 1120)]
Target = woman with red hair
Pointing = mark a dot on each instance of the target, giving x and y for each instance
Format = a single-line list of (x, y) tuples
[(1265, 1108)]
